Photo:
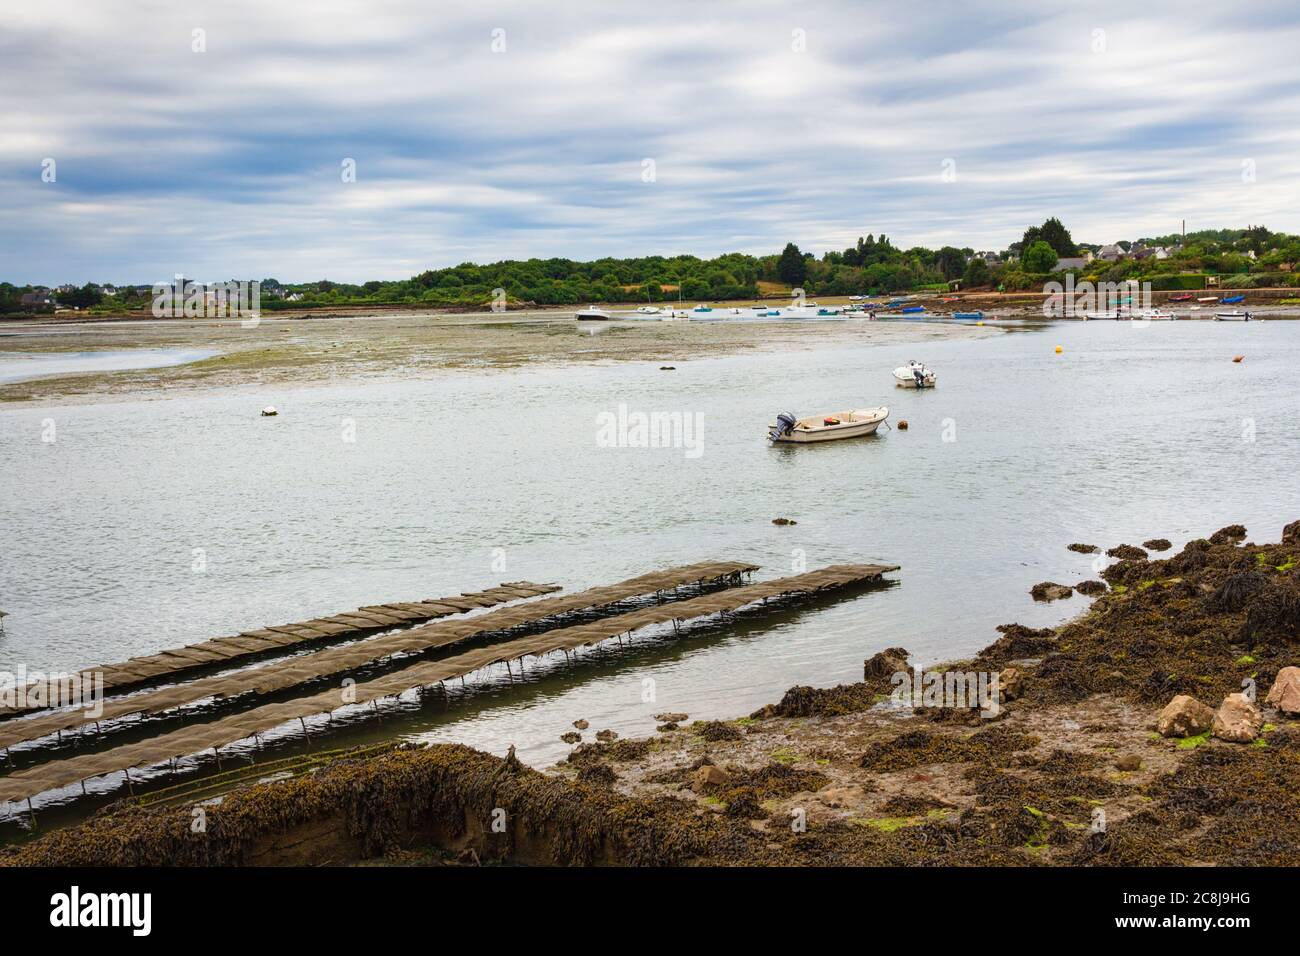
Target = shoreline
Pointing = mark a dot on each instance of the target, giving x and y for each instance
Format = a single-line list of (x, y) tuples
[(1071, 770), (279, 355)]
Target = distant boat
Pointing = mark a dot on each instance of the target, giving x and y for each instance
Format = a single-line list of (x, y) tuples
[(914, 375), (591, 314), (701, 308), (968, 316), (912, 309), (649, 310), (1208, 298), (850, 424), (1101, 315), (1181, 297), (1235, 316), (1154, 315), (1233, 299)]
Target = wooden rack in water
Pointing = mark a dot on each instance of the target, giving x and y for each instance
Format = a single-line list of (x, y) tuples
[(328, 662), (26, 784), (251, 645)]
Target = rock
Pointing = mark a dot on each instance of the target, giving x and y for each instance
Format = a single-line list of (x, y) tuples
[(672, 718), (784, 521), (1010, 684), (1129, 762), (703, 761), (1128, 552), (1091, 588), (269, 411), (605, 736), (1184, 716), (1238, 720), (571, 737), (581, 724), (1228, 533), (886, 664), (1049, 591), (665, 728), (1285, 693), (709, 776), (1158, 544), (902, 424), (1083, 548), (1291, 533), (667, 368)]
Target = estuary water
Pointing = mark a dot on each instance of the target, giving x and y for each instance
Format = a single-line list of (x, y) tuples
[(130, 526)]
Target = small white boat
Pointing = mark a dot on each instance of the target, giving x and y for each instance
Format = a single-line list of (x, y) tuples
[(591, 313), (914, 375), (1100, 315), (1154, 315), (1231, 316), (850, 424), (649, 310)]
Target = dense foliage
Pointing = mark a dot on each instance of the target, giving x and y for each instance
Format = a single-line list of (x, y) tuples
[(1242, 258)]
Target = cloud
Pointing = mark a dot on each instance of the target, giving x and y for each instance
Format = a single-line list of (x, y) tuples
[(1121, 119)]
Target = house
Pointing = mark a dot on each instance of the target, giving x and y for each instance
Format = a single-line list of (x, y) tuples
[(1070, 262), (37, 300), (293, 297), (1111, 253)]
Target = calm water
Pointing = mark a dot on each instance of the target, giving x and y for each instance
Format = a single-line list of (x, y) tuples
[(21, 367), (1130, 433)]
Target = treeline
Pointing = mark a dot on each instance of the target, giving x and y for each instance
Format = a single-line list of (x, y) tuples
[(1242, 258)]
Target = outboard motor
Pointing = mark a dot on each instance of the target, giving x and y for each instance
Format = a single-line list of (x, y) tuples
[(918, 373), (785, 423)]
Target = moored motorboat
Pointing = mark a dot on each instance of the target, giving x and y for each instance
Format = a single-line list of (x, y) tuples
[(914, 375), (591, 314), (1154, 315), (968, 316), (1235, 316), (850, 424)]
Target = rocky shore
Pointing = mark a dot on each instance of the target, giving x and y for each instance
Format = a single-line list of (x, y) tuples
[(1159, 728)]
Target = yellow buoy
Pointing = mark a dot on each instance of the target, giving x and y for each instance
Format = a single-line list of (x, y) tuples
[(1059, 350), (979, 323)]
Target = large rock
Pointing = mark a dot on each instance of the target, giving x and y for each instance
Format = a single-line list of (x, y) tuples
[(709, 776), (1010, 684), (1184, 716), (1237, 720), (1050, 591), (1291, 533), (886, 664), (1285, 693)]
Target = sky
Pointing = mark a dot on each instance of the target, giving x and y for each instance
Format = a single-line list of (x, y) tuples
[(139, 140)]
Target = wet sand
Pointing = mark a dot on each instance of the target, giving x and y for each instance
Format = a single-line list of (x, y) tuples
[(327, 350)]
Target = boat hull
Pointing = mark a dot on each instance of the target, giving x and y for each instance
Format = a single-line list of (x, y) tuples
[(822, 433)]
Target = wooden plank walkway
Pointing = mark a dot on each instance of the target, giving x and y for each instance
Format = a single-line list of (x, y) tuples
[(340, 660), (26, 784), (249, 645)]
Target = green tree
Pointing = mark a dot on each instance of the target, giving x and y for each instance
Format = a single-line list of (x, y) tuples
[(1054, 233), (1039, 257), (791, 267), (977, 273), (951, 262)]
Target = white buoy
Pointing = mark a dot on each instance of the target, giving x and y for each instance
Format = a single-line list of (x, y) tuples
[(269, 411)]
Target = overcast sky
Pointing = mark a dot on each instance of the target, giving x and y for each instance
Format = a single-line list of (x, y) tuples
[(484, 131)]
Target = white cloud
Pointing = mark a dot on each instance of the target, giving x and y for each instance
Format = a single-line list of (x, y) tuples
[(227, 162)]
